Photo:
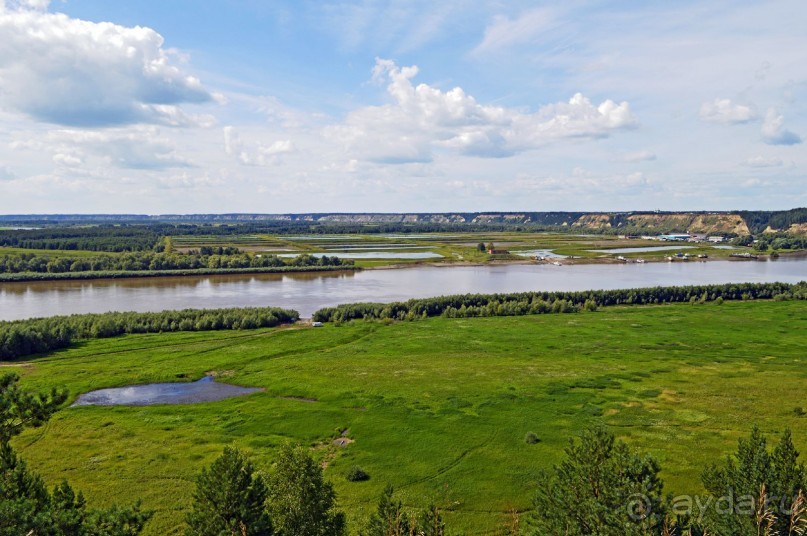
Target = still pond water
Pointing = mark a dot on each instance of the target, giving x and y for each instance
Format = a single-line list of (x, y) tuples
[(308, 292), (204, 390)]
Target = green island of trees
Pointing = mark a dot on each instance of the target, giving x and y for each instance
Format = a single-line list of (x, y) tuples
[(21, 338)]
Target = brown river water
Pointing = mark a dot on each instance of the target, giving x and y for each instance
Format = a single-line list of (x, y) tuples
[(307, 292)]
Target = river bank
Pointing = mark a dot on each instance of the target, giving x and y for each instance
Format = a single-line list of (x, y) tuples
[(24, 277)]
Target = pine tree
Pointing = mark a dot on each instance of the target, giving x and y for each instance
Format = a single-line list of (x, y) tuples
[(229, 499), (601, 488), (430, 522), (390, 519)]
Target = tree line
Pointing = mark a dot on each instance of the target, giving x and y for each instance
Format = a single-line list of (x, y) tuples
[(526, 303), (151, 261), (779, 241), (34, 276), (27, 337), (113, 238), (759, 221)]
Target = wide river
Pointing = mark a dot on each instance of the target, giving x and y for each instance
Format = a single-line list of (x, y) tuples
[(308, 292)]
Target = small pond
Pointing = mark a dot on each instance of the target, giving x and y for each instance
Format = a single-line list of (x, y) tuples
[(204, 390)]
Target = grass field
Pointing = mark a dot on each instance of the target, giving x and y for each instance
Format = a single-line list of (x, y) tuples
[(437, 407)]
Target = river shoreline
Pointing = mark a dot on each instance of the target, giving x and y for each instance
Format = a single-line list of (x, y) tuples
[(31, 277)]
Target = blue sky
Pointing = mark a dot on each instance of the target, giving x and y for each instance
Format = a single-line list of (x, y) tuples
[(249, 106)]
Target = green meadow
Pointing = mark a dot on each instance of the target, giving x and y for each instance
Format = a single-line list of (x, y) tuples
[(439, 407)]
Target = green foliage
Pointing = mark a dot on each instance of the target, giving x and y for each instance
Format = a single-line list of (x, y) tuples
[(146, 261), (229, 499), (758, 221), (532, 438), (77, 276), (26, 337), (601, 488), (756, 481), (529, 303), (26, 506), (389, 519), (89, 238), (780, 241), (300, 501), (430, 522), (20, 408), (357, 474), (716, 366)]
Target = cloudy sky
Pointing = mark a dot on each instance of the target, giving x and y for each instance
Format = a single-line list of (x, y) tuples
[(401, 105)]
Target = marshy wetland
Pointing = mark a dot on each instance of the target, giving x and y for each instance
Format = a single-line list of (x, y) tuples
[(437, 407)]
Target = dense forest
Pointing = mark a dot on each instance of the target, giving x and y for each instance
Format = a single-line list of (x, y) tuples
[(777, 241), (525, 303), (758, 221), (111, 238), (27, 337)]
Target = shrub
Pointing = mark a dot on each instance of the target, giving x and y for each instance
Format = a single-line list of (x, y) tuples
[(357, 474), (532, 438)]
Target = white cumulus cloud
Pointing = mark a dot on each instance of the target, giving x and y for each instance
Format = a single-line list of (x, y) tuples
[(773, 131), (421, 119), (138, 147), (72, 72), (726, 112)]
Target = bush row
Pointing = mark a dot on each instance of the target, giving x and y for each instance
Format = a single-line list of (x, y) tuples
[(149, 261), (27, 337), (523, 303), (34, 276)]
